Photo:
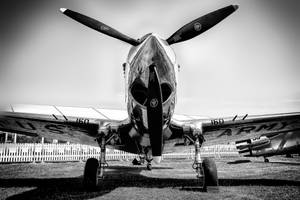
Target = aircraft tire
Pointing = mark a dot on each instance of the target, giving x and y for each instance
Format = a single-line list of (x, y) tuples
[(149, 166), (90, 176), (210, 173), (136, 162)]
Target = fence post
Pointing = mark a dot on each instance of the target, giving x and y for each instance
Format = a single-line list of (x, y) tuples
[(15, 138), (6, 137), (42, 150)]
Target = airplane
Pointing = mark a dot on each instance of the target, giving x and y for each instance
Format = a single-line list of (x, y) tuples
[(151, 78)]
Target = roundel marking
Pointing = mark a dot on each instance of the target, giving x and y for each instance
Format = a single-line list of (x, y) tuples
[(104, 28), (197, 26), (153, 102)]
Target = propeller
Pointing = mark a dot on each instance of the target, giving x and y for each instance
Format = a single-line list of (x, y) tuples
[(99, 26), (155, 112), (200, 25)]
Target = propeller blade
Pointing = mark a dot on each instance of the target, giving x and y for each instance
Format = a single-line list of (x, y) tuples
[(201, 24), (155, 112), (99, 26)]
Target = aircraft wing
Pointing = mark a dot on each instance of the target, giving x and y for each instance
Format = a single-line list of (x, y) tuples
[(76, 125), (232, 129)]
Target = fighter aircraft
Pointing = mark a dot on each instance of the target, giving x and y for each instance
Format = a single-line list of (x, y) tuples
[(150, 129)]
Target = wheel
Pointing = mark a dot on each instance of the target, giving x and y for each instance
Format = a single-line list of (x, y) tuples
[(149, 166), (210, 173), (136, 162), (90, 176), (266, 160)]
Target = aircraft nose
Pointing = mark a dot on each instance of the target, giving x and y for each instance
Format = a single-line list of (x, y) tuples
[(152, 44), (153, 38)]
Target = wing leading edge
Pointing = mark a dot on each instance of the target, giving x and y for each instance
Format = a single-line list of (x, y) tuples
[(74, 129), (227, 130)]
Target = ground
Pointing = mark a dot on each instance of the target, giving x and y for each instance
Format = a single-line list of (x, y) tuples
[(239, 178)]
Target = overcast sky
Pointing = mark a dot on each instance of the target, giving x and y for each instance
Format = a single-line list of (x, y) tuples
[(249, 63)]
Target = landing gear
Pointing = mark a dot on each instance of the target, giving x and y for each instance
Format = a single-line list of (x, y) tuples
[(102, 158), (141, 161), (145, 155), (210, 173), (266, 160), (90, 176), (94, 169), (206, 169), (149, 166), (136, 162), (148, 158), (198, 163)]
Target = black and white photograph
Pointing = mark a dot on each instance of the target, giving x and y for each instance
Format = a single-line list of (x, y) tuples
[(136, 99)]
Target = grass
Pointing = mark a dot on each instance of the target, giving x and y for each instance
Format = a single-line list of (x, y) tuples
[(279, 179)]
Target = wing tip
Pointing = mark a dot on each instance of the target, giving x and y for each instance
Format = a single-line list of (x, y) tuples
[(62, 10)]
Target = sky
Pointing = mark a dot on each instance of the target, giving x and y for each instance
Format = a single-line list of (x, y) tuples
[(248, 63)]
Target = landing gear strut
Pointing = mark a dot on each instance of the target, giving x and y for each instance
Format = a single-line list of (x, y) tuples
[(94, 169), (198, 163), (206, 169), (149, 166), (102, 158), (148, 158)]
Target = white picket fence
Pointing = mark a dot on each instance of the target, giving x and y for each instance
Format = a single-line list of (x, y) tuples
[(11, 153)]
